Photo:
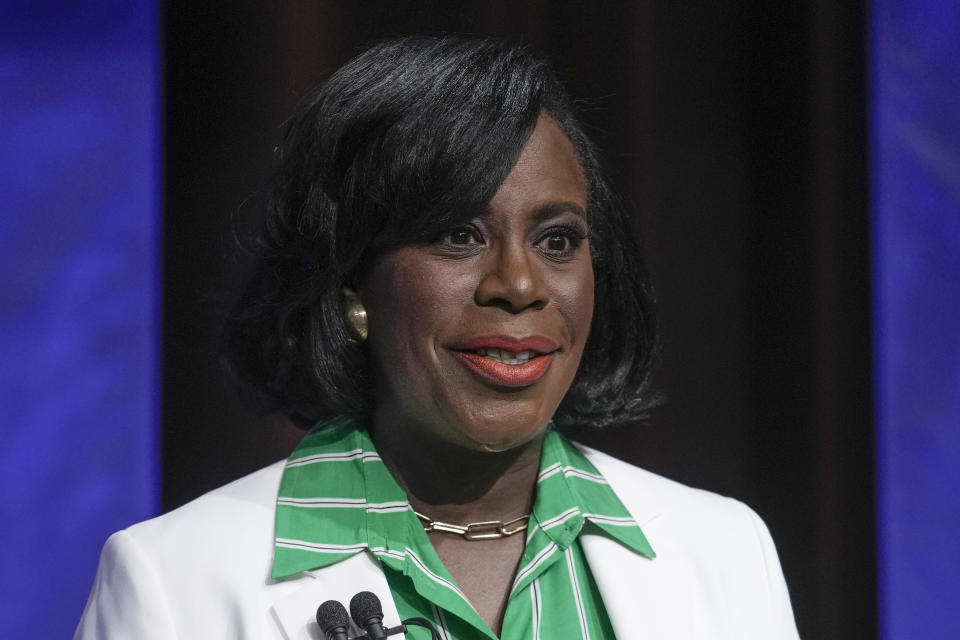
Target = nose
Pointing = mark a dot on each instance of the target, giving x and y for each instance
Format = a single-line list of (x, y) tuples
[(512, 281)]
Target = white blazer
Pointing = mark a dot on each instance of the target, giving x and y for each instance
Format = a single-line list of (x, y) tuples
[(203, 570)]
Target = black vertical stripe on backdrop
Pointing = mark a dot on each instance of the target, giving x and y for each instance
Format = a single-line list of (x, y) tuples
[(737, 133)]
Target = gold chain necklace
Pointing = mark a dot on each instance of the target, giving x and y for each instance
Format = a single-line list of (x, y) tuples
[(490, 530)]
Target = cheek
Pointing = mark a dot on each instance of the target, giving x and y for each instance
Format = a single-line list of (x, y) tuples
[(408, 306), (576, 304), (393, 311)]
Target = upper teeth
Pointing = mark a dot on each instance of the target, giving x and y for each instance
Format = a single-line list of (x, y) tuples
[(508, 357)]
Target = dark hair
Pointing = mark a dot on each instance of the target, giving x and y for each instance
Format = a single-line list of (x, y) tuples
[(408, 139)]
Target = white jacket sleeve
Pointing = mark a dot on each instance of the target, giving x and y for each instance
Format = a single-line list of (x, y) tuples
[(127, 600)]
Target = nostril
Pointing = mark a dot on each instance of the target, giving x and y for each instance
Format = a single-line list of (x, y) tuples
[(511, 306), (513, 290)]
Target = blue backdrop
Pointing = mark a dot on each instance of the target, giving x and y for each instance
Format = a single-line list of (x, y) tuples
[(79, 250), (915, 62)]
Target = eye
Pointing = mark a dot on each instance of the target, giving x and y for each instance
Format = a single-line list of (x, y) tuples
[(557, 242), (462, 237), (560, 242)]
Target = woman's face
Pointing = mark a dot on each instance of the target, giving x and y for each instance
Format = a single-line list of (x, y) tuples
[(476, 337)]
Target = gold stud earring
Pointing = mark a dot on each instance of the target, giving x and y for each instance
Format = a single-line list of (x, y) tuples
[(355, 315)]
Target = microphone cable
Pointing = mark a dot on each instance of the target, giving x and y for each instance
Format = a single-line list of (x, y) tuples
[(421, 622)]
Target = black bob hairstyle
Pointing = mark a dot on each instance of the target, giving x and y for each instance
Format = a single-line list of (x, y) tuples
[(411, 138)]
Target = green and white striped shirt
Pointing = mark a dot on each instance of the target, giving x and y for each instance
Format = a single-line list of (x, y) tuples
[(337, 498)]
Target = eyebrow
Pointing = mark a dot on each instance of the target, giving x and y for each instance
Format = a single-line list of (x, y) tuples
[(553, 209), (556, 208)]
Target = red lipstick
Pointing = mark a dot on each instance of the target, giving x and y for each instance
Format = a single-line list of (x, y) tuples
[(508, 375), (540, 344), (474, 354)]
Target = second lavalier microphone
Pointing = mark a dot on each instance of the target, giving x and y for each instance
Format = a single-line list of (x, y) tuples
[(367, 613)]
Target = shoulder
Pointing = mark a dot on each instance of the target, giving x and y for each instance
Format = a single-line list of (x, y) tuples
[(246, 503), (200, 567), (647, 490), (713, 554), (681, 520), (209, 534)]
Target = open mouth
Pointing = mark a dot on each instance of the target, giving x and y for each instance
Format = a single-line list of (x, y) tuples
[(508, 357), (506, 367)]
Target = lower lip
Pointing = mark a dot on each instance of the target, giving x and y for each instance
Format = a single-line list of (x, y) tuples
[(508, 375)]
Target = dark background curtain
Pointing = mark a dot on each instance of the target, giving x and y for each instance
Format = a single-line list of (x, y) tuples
[(737, 131)]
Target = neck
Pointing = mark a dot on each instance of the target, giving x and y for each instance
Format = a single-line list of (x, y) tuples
[(457, 485)]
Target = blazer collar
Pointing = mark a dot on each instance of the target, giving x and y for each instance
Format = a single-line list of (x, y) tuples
[(642, 505)]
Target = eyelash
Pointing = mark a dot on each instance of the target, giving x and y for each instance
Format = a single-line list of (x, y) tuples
[(573, 236)]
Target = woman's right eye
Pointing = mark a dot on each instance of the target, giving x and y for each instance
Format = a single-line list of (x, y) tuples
[(462, 236)]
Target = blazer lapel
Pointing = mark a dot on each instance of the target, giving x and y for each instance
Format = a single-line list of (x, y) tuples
[(640, 594), (294, 614), (644, 597)]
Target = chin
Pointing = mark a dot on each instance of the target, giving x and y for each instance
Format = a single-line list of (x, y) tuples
[(498, 433)]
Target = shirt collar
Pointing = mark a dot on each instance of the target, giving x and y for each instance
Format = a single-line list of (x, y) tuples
[(337, 498), (571, 492)]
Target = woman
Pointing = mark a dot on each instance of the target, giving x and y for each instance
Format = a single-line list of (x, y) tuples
[(445, 276)]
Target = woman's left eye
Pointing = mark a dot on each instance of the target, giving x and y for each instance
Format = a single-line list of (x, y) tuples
[(560, 242)]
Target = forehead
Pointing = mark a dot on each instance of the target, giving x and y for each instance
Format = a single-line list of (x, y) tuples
[(547, 172)]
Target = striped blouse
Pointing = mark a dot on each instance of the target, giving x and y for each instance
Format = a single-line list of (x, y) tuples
[(337, 498)]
